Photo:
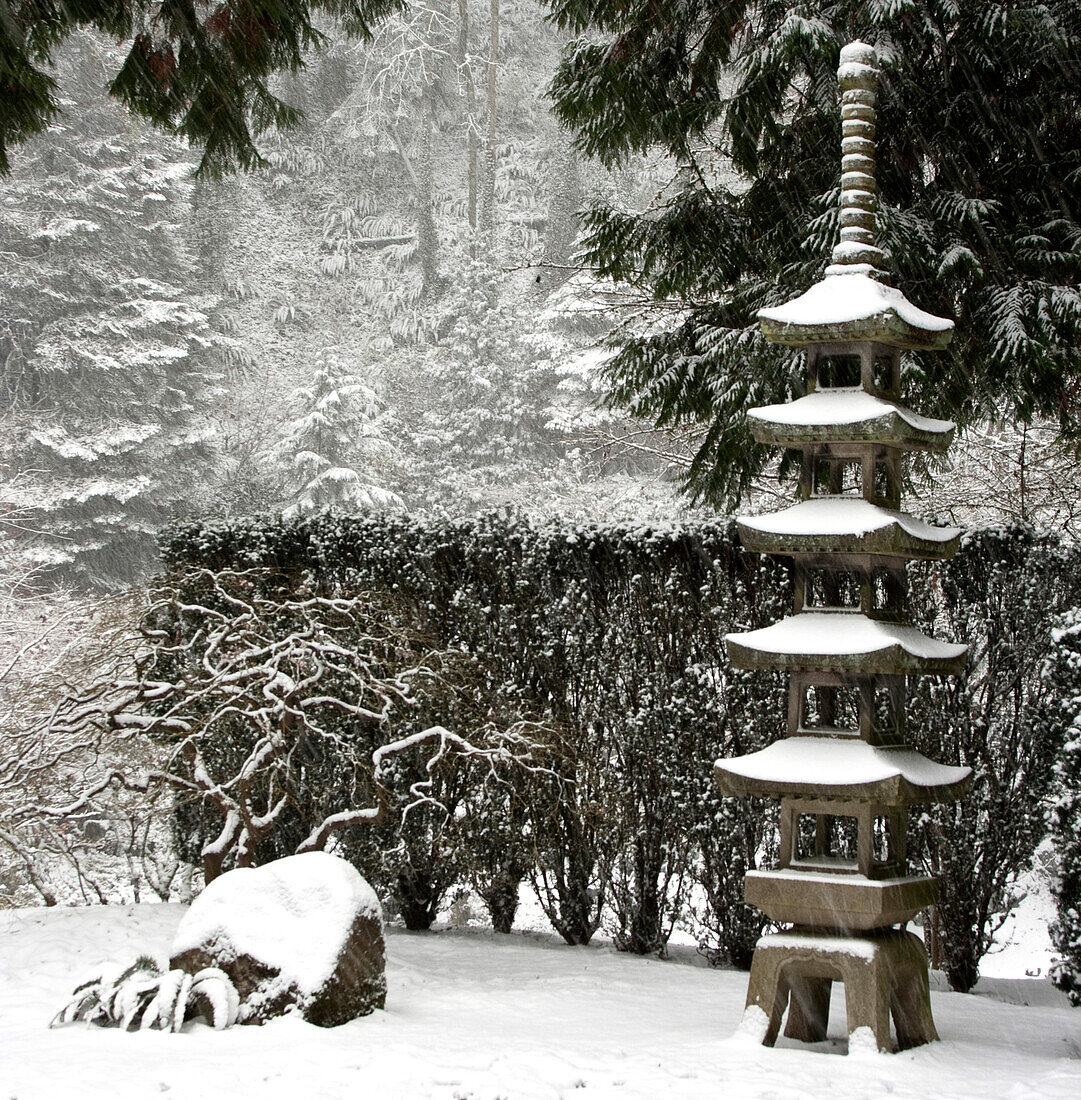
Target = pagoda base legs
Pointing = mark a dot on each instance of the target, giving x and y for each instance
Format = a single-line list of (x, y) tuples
[(884, 974), (808, 1008)]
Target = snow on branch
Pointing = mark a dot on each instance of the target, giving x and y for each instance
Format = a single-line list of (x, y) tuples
[(262, 703)]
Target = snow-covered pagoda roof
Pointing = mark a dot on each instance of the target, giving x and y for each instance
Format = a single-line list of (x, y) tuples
[(847, 414), (849, 304), (841, 767), (853, 301), (843, 641), (846, 525)]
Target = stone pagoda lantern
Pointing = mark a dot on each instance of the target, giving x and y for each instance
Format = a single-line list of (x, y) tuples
[(844, 774)]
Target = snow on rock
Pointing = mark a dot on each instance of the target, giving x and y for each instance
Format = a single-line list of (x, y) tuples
[(847, 298), (306, 931)]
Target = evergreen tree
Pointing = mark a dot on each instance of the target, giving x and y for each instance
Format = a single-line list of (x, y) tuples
[(199, 71), (979, 171), (339, 428), (107, 359), (484, 424)]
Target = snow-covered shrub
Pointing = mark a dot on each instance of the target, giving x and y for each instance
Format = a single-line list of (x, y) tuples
[(1063, 715), (608, 643), (1003, 594), (265, 708), (121, 850), (144, 995)]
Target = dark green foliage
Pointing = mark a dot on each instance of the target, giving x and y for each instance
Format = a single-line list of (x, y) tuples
[(1002, 595), (979, 170), (607, 645), (1063, 715), (201, 73), (655, 80), (420, 852)]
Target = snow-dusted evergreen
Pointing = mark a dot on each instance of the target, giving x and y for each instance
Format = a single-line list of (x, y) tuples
[(338, 427), (978, 188), (108, 347), (1063, 718)]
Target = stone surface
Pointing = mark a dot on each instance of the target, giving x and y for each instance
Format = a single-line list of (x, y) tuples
[(884, 974), (844, 642), (847, 416), (854, 307), (303, 933), (846, 526), (844, 773), (846, 903), (836, 767)]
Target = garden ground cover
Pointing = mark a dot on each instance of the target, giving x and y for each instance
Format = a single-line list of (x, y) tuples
[(475, 1016)]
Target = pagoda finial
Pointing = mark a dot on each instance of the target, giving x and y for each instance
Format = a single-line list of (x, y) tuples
[(856, 251)]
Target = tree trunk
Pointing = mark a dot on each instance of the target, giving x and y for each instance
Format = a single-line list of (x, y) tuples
[(417, 899), (427, 239), (933, 935), (487, 207), (562, 225), (212, 863), (471, 147), (646, 933), (500, 896)]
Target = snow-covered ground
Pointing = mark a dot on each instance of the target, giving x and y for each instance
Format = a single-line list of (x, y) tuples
[(473, 1016)]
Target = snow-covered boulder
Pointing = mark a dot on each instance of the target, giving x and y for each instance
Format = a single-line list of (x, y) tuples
[(305, 931)]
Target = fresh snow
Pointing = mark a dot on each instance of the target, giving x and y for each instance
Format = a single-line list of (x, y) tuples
[(847, 945), (846, 298), (799, 874), (844, 515), (840, 761), (293, 914), (844, 405), (476, 1016), (843, 633)]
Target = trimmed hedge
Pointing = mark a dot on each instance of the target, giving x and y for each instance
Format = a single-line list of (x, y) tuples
[(610, 641)]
